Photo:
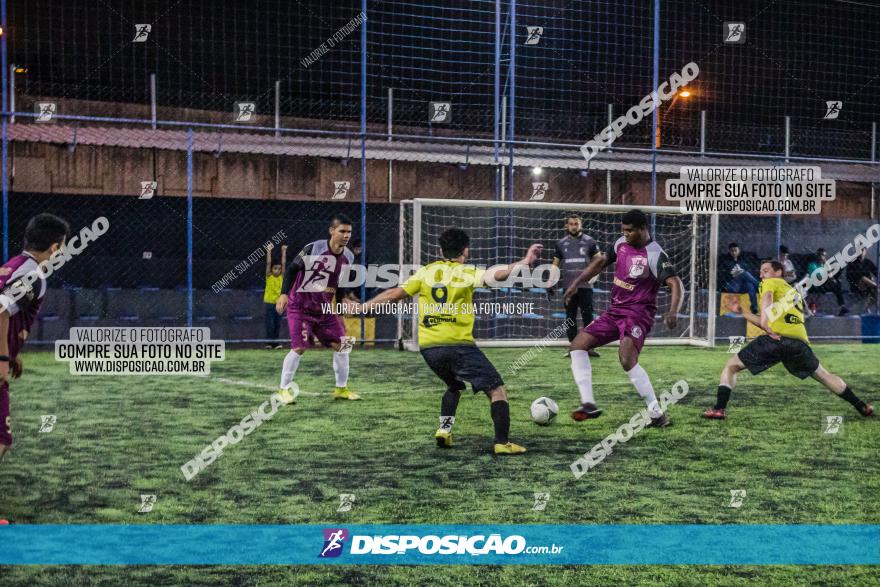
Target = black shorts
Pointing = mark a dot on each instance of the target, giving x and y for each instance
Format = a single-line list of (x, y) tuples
[(462, 363), (764, 352)]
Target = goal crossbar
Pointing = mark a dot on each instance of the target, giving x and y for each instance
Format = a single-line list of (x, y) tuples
[(501, 230)]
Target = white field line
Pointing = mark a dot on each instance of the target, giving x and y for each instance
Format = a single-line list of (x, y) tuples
[(254, 385)]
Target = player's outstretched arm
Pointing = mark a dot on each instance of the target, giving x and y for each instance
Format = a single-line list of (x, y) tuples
[(269, 248), (671, 318), (751, 318), (589, 272), (395, 294), (551, 291), (503, 273)]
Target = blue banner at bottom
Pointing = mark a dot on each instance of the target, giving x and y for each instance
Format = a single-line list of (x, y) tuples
[(440, 544)]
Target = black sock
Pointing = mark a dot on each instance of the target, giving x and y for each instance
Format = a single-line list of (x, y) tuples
[(449, 402), (501, 418), (849, 396), (723, 397)]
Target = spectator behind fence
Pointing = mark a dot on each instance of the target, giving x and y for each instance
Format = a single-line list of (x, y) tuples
[(861, 273), (274, 278), (788, 271), (831, 285), (735, 276)]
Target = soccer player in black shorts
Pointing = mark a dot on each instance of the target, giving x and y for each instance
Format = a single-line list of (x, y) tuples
[(786, 342), (446, 331)]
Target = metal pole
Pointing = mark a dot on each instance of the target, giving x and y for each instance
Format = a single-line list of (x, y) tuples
[(390, 112), (390, 133), (608, 171), (5, 138), (873, 158), (713, 277), (503, 142), (702, 133), (153, 101), (512, 134), (363, 152), (499, 172), (787, 137), (655, 121), (189, 227), (277, 108), (12, 93), (874, 209), (692, 297), (787, 153)]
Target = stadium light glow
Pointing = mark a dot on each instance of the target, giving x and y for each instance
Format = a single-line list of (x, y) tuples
[(536, 171), (684, 93)]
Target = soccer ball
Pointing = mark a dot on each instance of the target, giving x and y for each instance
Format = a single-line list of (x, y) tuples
[(543, 411)]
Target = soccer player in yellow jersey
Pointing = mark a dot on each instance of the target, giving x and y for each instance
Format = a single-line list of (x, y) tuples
[(446, 331), (785, 341), (271, 293)]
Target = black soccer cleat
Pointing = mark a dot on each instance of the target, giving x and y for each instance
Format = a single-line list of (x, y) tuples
[(867, 410), (586, 412), (660, 421)]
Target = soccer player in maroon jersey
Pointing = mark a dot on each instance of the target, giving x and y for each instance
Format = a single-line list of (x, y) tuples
[(310, 282), (641, 267), (22, 288)]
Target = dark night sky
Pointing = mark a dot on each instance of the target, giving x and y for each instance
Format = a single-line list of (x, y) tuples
[(210, 53)]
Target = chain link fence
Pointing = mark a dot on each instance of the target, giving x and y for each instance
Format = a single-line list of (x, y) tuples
[(201, 142)]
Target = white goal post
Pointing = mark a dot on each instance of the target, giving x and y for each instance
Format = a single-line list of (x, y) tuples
[(500, 232)]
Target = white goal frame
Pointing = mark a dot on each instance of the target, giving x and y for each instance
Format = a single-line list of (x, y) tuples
[(687, 339)]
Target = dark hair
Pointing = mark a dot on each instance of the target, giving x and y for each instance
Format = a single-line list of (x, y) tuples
[(573, 215), (43, 231), (338, 219), (820, 250), (635, 218), (355, 242), (783, 250), (777, 266), (731, 245), (453, 242)]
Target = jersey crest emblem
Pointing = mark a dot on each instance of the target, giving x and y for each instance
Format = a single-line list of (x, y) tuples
[(637, 266)]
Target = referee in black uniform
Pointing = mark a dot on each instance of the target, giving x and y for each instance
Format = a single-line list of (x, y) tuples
[(573, 253)]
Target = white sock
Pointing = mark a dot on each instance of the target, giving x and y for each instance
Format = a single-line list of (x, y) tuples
[(446, 423), (640, 379), (340, 367), (583, 375), (291, 362)]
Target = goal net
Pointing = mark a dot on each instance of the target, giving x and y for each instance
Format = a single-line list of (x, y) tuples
[(501, 232)]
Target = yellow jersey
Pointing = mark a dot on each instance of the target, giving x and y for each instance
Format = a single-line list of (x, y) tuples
[(791, 323), (446, 312), (273, 288)]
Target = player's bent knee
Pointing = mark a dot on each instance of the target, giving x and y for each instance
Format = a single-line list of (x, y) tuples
[(497, 395), (627, 354), (734, 365), (582, 342)]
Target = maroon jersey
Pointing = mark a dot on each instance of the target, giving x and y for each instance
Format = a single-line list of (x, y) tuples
[(23, 310), (638, 274), (313, 277)]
